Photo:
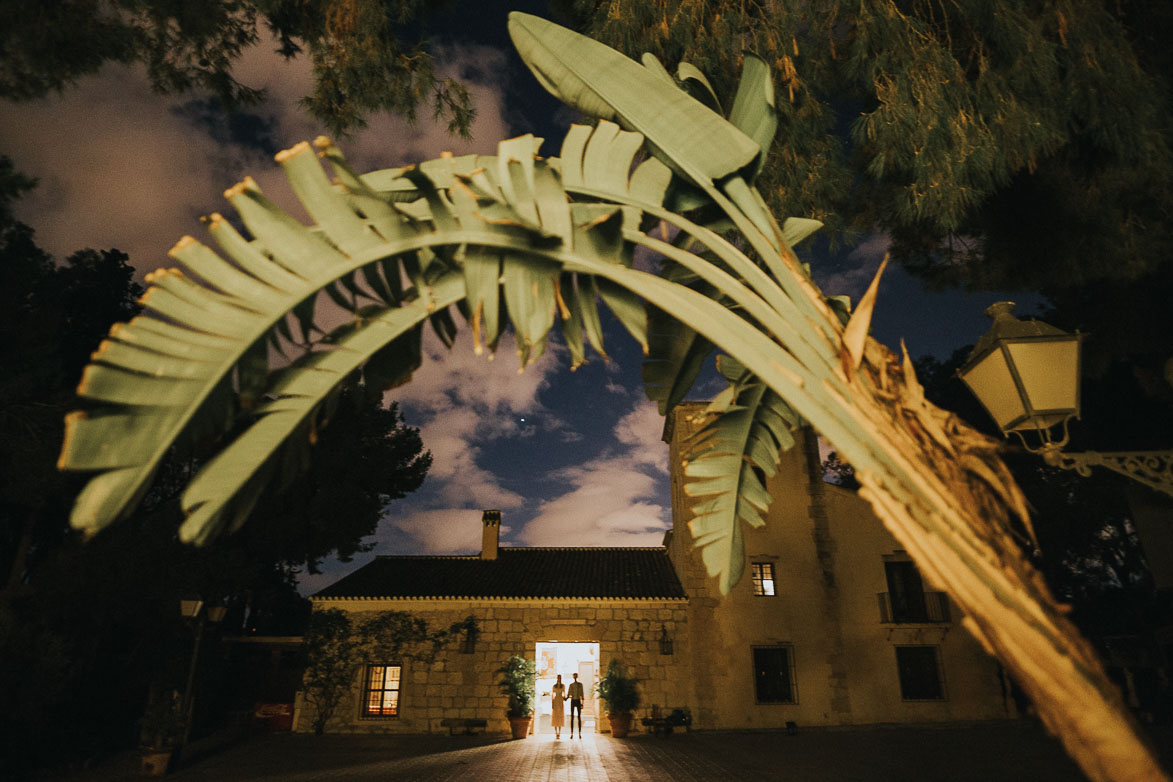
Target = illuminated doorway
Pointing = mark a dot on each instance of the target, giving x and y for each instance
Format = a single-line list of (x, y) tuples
[(555, 658)]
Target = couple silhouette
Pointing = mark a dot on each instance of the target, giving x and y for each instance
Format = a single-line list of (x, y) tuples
[(558, 697)]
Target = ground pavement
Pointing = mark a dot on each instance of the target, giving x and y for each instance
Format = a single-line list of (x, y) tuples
[(987, 752)]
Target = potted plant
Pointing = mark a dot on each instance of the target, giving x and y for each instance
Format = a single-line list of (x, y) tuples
[(163, 726), (621, 696), (517, 681)]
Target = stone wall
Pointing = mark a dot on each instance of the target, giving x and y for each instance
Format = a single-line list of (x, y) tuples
[(827, 550), (464, 685)]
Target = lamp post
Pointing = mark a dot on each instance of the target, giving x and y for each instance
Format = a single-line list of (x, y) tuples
[(190, 610), (1026, 375)]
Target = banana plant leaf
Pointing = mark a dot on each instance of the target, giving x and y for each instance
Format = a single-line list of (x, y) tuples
[(729, 457), (600, 82)]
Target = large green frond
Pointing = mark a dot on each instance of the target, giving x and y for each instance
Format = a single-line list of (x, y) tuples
[(599, 161), (197, 363), (600, 82), (727, 461), (753, 109), (676, 355), (274, 447)]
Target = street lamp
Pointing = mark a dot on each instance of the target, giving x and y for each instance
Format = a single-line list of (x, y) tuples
[(1026, 375), (190, 610)]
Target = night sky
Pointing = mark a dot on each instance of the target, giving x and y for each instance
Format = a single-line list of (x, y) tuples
[(570, 458)]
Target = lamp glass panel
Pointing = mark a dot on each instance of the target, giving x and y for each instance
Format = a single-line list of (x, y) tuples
[(1049, 371), (190, 608), (991, 381)]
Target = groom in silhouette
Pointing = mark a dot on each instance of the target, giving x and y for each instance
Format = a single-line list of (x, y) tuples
[(576, 696)]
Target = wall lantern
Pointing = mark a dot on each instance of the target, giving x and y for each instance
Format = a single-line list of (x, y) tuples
[(1026, 375), (665, 641)]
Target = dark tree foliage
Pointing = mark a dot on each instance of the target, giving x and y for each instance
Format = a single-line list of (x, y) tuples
[(1002, 145), (368, 55), (96, 622), (363, 459), (52, 318)]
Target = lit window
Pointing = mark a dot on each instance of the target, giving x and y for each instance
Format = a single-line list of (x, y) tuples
[(773, 668), (920, 673), (763, 578), (382, 691)]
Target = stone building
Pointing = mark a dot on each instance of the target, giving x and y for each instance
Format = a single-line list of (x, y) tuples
[(570, 609), (831, 624)]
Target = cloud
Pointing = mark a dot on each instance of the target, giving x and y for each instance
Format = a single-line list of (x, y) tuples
[(442, 531), (460, 401), (116, 168), (642, 431), (612, 499), (860, 268), (492, 385), (120, 166), (451, 438), (614, 387), (387, 140), (606, 507)]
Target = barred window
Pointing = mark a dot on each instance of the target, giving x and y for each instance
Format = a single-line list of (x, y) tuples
[(381, 697), (763, 578), (774, 674)]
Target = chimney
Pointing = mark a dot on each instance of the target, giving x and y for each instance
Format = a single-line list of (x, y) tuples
[(490, 534)]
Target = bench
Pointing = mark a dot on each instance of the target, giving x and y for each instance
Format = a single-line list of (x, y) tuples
[(662, 724), (453, 723)]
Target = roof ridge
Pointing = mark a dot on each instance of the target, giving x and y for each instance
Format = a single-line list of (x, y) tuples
[(582, 572)]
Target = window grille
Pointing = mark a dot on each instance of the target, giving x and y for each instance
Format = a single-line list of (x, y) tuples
[(763, 578), (774, 674), (382, 691)]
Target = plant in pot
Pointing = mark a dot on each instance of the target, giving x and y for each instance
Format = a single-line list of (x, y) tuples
[(621, 696), (517, 681), (163, 725)]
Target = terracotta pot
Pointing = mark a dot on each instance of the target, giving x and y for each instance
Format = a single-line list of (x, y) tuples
[(519, 726), (620, 724), (155, 762)]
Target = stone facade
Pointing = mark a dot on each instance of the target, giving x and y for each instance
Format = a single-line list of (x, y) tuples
[(829, 555), (840, 648), (464, 684)]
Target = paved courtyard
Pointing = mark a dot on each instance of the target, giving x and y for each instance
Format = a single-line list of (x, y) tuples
[(972, 753)]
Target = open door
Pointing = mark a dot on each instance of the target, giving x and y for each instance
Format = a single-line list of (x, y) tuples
[(566, 658)]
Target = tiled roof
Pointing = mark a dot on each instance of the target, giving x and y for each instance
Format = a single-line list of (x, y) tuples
[(639, 573)]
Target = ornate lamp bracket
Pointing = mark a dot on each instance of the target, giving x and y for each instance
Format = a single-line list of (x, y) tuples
[(1152, 468)]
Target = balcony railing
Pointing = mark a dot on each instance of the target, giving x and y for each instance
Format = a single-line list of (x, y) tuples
[(933, 609)]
